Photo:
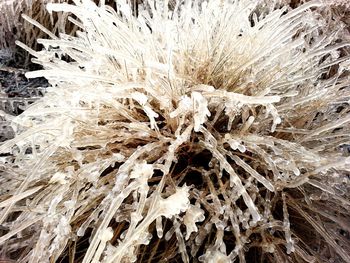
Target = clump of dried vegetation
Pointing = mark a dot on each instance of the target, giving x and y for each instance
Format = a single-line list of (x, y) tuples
[(200, 132)]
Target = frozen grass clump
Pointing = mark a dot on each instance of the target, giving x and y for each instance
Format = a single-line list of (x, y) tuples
[(201, 132)]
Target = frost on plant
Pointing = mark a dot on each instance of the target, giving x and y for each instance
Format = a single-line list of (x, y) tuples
[(205, 131)]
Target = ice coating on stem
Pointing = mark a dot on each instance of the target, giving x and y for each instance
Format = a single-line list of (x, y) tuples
[(181, 131)]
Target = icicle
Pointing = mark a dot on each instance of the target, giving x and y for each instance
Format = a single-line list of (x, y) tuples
[(286, 226), (159, 227)]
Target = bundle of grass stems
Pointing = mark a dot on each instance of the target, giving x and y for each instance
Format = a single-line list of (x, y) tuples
[(190, 131)]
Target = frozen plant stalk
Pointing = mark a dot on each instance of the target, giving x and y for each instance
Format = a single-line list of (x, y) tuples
[(205, 131)]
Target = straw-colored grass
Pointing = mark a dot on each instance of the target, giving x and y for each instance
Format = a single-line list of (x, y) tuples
[(211, 132)]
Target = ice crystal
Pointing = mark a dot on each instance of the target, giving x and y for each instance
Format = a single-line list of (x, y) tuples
[(201, 131)]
